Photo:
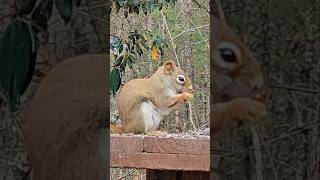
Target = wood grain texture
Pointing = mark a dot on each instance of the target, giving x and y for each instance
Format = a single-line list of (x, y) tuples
[(161, 153), (126, 145), (176, 145), (158, 161)]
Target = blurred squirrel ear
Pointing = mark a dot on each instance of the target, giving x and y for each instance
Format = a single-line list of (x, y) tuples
[(168, 67)]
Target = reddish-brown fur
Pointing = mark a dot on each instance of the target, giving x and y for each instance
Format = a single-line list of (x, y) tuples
[(153, 89)]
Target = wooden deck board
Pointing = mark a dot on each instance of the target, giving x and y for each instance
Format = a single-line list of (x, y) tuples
[(161, 153)]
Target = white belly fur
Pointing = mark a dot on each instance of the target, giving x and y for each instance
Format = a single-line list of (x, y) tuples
[(151, 116)]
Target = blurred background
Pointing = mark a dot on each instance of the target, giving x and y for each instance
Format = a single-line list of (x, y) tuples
[(60, 29), (284, 36)]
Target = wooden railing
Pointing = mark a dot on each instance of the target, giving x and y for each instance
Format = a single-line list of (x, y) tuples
[(169, 157)]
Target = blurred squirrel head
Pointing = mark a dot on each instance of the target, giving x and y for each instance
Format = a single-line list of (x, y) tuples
[(237, 72)]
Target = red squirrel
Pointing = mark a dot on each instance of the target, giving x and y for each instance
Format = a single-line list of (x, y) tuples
[(143, 102)]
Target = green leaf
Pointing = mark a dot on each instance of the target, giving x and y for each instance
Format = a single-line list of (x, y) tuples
[(130, 61), (116, 41), (130, 9), (65, 8), (17, 61), (115, 80), (136, 9), (142, 47), (25, 6), (41, 15), (121, 2), (32, 61), (124, 63), (138, 49), (161, 51), (121, 47), (118, 61)]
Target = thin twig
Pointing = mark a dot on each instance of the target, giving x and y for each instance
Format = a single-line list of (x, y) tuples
[(200, 33), (126, 174), (171, 39), (265, 143), (195, 28), (200, 5), (190, 116), (257, 152), (271, 158), (296, 89)]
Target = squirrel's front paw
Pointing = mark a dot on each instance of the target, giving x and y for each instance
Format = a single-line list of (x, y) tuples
[(184, 97), (264, 95), (187, 96), (247, 109)]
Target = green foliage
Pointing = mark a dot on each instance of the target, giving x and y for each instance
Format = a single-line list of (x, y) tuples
[(25, 6), (41, 15), (65, 9), (125, 52), (115, 80), (18, 47), (136, 6), (17, 60)]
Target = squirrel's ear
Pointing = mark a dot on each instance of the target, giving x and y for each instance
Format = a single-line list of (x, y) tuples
[(168, 67)]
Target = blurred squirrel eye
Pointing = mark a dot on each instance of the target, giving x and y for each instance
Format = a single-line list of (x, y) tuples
[(228, 55), (180, 79)]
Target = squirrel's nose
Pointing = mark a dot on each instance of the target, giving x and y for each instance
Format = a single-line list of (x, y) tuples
[(190, 90)]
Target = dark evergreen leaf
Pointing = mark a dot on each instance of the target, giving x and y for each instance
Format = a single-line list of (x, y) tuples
[(65, 8), (25, 6), (130, 9), (17, 60), (130, 61), (139, 51), (115, 80), (136, 9), (161, 51), (118, 61), (32, 65), (123, 66), (120, 48), (41, 15)]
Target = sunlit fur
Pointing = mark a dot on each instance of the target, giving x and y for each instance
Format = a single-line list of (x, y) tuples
[(157, 95)]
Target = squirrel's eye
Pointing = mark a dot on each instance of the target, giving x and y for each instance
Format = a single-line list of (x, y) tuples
[(180, 79), (228, 55)]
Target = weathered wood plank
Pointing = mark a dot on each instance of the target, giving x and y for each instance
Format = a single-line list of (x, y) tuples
[(158, 161), (176, 145), (126, 144), (162, 153)]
